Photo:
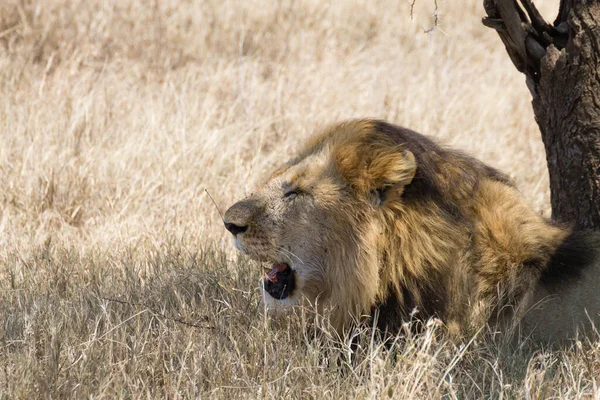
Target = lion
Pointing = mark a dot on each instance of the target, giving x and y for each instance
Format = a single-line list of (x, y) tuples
[(372, 220)]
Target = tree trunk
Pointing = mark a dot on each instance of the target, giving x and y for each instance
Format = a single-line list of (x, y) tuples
[(561, 63)]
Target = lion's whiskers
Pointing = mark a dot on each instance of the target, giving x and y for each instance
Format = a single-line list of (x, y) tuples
[(216, 206), (290, 253)]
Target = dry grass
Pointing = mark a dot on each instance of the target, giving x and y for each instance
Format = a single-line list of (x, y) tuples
[(115, 116)]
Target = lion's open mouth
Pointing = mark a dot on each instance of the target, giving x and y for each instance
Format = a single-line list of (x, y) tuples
[(280, 281)]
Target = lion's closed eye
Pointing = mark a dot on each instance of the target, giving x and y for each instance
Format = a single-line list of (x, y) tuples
[(291, 194)]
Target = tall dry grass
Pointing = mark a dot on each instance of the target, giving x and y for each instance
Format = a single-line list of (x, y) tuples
[(117, 279)]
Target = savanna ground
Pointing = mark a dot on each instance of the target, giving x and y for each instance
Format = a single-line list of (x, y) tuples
[(117, 279)]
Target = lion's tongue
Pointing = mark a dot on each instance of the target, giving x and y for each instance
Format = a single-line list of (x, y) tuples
[(277, 268)]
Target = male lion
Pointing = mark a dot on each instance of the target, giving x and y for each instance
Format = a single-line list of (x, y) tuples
[(374, 218)]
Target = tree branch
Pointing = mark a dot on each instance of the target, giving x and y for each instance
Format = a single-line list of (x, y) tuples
[(563, 11), (525, 33), (537, 20)]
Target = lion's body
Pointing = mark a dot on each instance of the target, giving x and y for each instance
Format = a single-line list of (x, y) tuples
[(373, 217)]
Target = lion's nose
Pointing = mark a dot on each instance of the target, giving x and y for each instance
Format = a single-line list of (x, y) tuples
[(238, 217), (235, 229)]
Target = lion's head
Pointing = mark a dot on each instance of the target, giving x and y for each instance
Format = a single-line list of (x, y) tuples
[(315, 219)]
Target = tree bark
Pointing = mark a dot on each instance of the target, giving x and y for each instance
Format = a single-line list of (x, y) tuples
[(561, 63)]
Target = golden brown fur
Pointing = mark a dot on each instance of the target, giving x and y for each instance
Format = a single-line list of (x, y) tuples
[(371, 216)]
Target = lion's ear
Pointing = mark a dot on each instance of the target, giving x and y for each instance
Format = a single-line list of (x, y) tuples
[(376, 166)]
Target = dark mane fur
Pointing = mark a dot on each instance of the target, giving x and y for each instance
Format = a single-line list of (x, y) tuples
[(443, 176), (579, 250)]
